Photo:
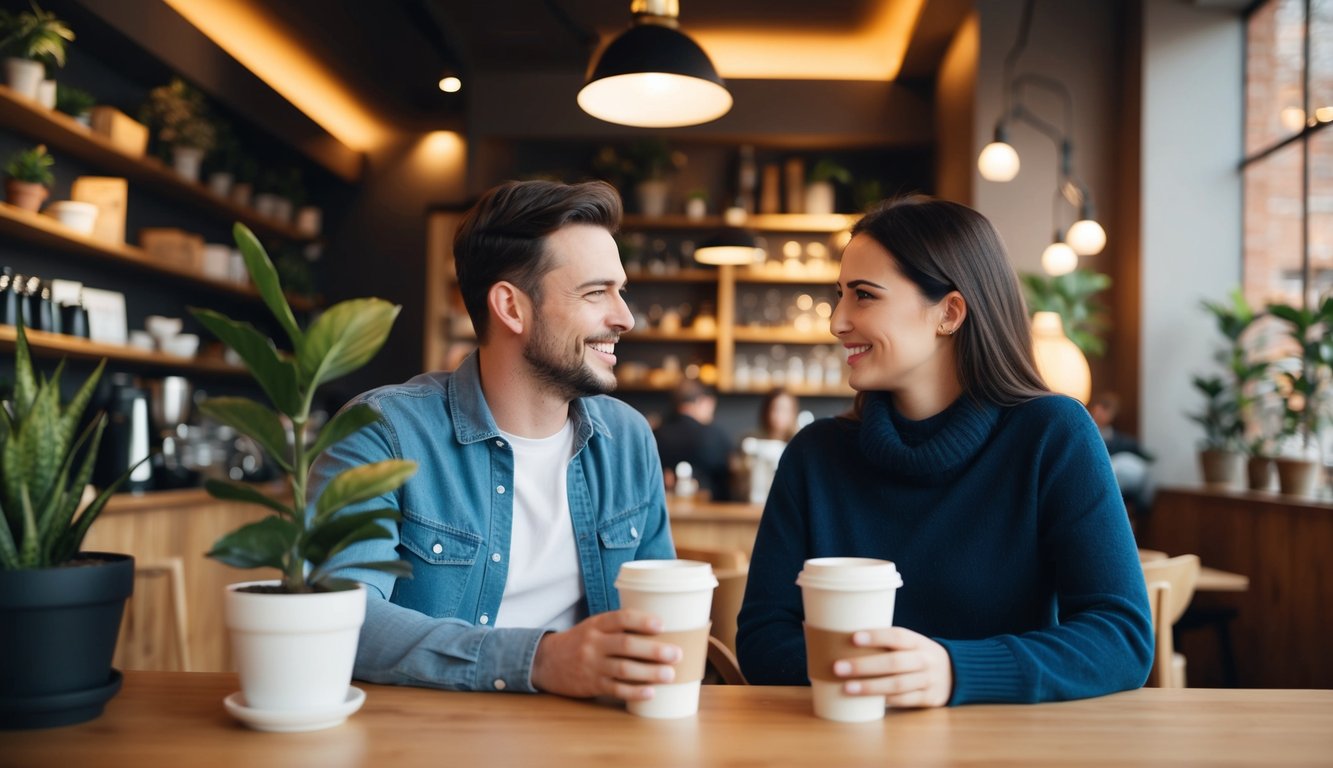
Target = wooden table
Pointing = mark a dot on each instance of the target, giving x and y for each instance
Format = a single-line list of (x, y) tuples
[(177, 719)]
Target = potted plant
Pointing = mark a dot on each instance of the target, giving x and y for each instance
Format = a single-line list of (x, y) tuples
[(28, 41), (1306, 384), (696, 204), (60, 608), (30, 178), (295, 638), (1242, 391), (178, 115), (222, 163), (75, 102), (820, 194), (646, 166), (1071, 297)]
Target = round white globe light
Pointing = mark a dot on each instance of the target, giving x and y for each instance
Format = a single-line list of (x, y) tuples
[(1058, 259), (998, 162), (451, 84), (1086, 237)]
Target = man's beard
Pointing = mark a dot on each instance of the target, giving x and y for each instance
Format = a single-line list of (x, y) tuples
[(570, 377)]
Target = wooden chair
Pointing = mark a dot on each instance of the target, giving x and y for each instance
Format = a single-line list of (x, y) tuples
[(159, 591), (721, 667), (1170, 588), (732, 568)]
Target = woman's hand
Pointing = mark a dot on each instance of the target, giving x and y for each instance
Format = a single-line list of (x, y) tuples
[(914, 671)]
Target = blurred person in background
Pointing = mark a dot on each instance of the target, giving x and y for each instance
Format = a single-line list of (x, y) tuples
[(688, 435)]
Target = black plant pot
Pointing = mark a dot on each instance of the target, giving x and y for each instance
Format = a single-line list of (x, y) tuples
[(58, 629)]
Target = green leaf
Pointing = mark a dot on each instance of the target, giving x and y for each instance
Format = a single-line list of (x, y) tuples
[(25, 384), (253, 419), (345, 338), (360, 483), (276, 373), (73, 411), (346, 422), (72, 539), (29, 548), (9, 556), (248, 494), (265, 278), (265, 543), (330, 536)]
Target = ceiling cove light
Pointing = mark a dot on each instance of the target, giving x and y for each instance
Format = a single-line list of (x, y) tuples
[(653, 75)]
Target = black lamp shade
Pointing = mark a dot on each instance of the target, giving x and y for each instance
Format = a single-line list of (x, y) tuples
[(654, 76)]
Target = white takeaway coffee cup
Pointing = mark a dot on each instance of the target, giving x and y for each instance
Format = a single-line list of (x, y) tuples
[(680, 593), (843, 595)]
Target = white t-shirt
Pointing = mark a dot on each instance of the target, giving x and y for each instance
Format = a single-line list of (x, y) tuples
[(544, 588)]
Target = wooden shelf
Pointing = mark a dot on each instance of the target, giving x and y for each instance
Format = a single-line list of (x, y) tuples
[(763, 222), (747, 335), (651, 334), (50, 233), (803, 277), (62, 134), (45, 344), (681, 276)]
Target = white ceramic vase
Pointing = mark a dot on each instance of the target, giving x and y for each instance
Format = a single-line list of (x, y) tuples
[(24, 76), (294, 652), (653, 196), (819, 197)]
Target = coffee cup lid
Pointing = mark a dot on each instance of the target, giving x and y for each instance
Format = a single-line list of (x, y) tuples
[(849, 574), (666, 576)]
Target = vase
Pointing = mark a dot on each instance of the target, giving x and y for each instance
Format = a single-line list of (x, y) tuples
[(187, 161), (1222, 469), (652, 196), (819, 198), (696, 208), (24, 76), (294, 652), (1298, 477), (58, 629), (25, 195)]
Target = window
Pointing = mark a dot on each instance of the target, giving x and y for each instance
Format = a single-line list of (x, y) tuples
[(1288, 167)]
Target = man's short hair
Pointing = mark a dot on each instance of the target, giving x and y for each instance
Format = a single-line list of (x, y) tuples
[(503, 236), (689, 391)]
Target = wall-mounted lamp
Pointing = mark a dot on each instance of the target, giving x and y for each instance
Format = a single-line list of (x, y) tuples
[(653, 75), (999, 161), (733, 245)]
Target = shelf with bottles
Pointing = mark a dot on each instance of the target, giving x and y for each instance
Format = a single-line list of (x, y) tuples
[(759, 222), (809, 368), (46, 232), (57, 345), (62, 134)]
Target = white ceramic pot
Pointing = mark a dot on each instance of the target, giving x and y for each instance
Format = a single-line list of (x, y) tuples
[(653, 196), (282, 209), (187, 161), (78, 216), (219, 183), (294, 652), (696, 208), (819, 197), (24, 76), (46, 94), (266, 204)]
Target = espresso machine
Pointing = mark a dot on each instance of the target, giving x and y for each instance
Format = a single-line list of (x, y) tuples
[(127, 439)]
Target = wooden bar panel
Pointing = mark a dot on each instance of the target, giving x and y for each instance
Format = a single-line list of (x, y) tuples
[(1281, 630)]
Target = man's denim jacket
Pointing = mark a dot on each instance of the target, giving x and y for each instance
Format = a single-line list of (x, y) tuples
[(437, 628)]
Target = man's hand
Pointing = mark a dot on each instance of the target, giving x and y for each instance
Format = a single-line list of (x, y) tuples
[(914, 672), (598, 656)]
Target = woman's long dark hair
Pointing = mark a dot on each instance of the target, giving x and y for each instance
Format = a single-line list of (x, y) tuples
[(941, 247)]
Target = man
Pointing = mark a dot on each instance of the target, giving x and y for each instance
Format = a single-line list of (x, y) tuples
[(533, 487), (1129, 460), (689, 435)]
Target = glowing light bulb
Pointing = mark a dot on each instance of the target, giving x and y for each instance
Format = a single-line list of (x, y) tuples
[(1086, 237), (1058, 259), (998, 162), (451, 84)]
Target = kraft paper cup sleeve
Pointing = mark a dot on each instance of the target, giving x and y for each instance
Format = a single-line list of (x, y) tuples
[(824, 646), (693, 645)]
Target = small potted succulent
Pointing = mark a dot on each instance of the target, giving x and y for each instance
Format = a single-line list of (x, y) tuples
[(60, 608), (820, 194), (29, 41), (294, 639), (177, 113), (646, 166), (75, 102), (1307, 390), (30, 178)]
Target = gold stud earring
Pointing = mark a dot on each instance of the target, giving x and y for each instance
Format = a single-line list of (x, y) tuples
[(942, 331)]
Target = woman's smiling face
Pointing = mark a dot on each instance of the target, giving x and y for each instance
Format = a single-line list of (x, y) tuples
[(894, 338)]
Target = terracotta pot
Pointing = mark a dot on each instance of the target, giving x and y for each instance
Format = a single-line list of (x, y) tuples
[(1260, 471), (1222, 469), (25, 194), (1298, 477)]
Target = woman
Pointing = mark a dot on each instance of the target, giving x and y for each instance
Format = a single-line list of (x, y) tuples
[(778, 415), (994, 497)]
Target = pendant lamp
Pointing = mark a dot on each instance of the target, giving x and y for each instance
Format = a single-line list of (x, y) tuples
[(1059, 360), (733, 245), (653, 75)]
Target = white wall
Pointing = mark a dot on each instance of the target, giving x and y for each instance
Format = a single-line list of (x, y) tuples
[(1192, 142)]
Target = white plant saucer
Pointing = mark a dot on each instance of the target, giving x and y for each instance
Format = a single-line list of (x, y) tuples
[(291, 722)]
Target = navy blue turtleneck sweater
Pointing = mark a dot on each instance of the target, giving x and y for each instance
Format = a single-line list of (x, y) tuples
[(1008, 529)]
